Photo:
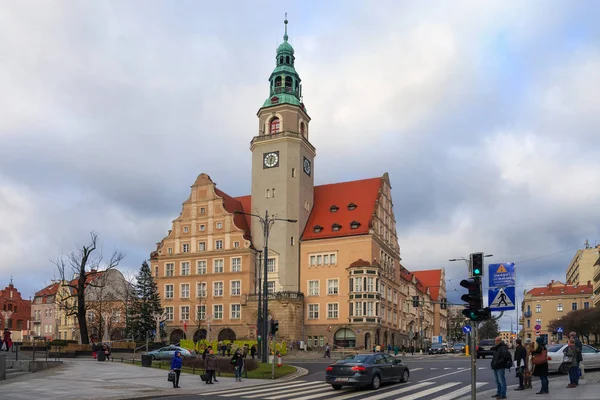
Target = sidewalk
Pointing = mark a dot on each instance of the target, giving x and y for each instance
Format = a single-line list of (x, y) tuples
[(90, 379)]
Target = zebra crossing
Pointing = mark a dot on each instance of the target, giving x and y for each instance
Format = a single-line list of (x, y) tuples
[(307, 390)]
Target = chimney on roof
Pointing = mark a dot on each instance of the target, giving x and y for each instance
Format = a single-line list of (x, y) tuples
[(93, 270), (589, 283)]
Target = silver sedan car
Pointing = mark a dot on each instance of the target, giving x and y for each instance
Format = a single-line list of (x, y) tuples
[(591, 357), (166, 353)]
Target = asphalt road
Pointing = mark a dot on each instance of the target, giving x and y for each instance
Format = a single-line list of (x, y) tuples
[(437, 377)]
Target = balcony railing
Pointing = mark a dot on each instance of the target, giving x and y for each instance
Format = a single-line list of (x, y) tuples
[(279, 135), (527, 314), (286, 89)]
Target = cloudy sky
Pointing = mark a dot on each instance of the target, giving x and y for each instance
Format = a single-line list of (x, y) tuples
[(485, 114)]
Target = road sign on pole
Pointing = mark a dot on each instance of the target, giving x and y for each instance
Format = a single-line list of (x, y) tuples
[(501, 299), (559, 330), (467, 329), (502, 275)]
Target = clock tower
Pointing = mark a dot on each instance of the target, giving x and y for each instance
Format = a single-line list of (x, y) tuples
[(283, 170)]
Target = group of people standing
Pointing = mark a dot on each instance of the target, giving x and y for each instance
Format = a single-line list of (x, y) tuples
[(532, 360)]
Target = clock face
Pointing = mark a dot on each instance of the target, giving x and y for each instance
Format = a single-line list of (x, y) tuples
[(306, 166), (271, 159)]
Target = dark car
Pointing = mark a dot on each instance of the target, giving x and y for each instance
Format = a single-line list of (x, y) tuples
[(485, 348), (437, 348), (366, 370), (458, 348)]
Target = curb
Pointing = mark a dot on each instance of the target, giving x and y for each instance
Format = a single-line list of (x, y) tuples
[(299, 372)]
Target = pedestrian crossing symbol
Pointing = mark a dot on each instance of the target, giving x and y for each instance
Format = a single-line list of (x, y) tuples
[(501, 269), (501, 299)]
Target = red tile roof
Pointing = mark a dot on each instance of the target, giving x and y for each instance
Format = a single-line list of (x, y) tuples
[(231, 205), (246, 202), (363, 194), (49, 290), (430, 279), (561, 289), (360, 263)]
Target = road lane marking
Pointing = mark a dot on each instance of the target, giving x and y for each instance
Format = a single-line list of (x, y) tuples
[(302, 392), (393, 392), (217, 392), (441, 376), (459, 392), (252, 394), (415, 369), (250, 390), (430, 391)]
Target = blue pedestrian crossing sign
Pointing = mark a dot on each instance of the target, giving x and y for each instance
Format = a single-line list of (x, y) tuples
[(559, 330), (501, 299), (467, 329)]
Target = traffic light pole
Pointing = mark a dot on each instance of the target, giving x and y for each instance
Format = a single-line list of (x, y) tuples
[(474, 362)]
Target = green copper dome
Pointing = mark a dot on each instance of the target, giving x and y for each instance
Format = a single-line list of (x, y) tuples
[(285, 47)]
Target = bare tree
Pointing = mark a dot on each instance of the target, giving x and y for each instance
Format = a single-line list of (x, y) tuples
[(85, 264)]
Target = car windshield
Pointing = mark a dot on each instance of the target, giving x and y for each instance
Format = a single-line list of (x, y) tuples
[(554, 348), (459, 344), (436, 346), (487, 343), (355, 359)]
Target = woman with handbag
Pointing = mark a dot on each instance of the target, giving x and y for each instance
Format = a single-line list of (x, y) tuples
[(176, 363), (570, 361), (540, 362), (210, 365), (528, 364)]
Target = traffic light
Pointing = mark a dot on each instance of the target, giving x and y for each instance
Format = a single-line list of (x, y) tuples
[(274, 326), (443, 304), (476, 264), (474, 299), (415, 301)]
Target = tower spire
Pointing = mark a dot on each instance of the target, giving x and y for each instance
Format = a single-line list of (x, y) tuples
[(285, 36)]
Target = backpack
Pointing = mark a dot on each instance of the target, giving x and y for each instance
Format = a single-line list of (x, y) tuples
[(509, 360)]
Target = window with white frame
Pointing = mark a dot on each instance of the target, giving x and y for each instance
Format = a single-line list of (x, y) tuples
[(370, 309), (202, 227), (313, 288), (218, 311), (201, 267), (185, 248), (332, 310), (270, 286), (538, 321), (236, 311), (185, 268), (538, 308), (236, 264), (559, 307), (358, 309), (358, 284), (169, 291), (333, 286), (323, 259), (370, 284), (156, 271), (186, 229), (236, 245), (201, 289), (169, 269), (201, 246), (169, 313), (313, 311), (185, 291), (170, 250), (236, 288), (271, 267), (219, 225), (218, 244), (218, 266), (201, 313), (202, 210), (185, 313), (217, 289)]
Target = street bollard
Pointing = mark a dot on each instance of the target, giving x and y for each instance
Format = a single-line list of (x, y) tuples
[(467, 350), (279, 359)]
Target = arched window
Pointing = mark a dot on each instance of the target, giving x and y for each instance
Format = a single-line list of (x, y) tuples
[(288, 81), (281, 60), (287, 59), (345, 338), (274, 126), (302, 129), (278, 81)]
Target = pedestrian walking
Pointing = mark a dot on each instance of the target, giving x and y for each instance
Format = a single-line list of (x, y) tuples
[(570, 361), (500, 361), (529, 346), (540, 362), (396, 350), (176, 363), (238, 363), (327, 351), (579, 348), (521, 359), (389, 348), (210, 365)]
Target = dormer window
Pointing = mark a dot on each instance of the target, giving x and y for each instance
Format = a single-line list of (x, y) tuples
[(351, 206), (336, 227), (274, 100), (317, 229), (354, 225), (333, 208)]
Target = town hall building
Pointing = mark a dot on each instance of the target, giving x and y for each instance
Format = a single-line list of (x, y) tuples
[(334, 275)]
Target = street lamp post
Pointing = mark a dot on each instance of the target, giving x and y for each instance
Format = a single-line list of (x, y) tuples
[(267, 222), (259, 324)]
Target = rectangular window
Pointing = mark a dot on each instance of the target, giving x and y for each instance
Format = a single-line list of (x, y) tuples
[(332, 259), (169, 269), (574, 306), (217, 289), (185, 268), (313, 288), (370, 285), (313, 260), (332, 310), (170, 250), (185, 291), (559, 307), (185, 248), (201, 289), (319, 260), (169, 291), (201, 313), (186, 229), (219, 225), (529, 323), (273, 192), (313, 311), (326, 259), (358, 309), (202, 210), (586, 304), (201, 246), (218, 244), (271, 286), (370, 310), (185, 313), (236, 311), (236, 264), (236, 288), (321, 341), (218, 311), (292, 241), (271, 267), (169, 313), (201, 267), (156, 271), (202, 227), (358, 285), (333, 286), (268, 195), (538, 321), (236, 245), (293, 172), (538, 308), (218, 266)]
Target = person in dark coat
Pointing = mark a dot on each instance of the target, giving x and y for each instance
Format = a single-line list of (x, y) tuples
[(238, 363), (176, 364), (520, 358), (210, 365), (579, 356), (541, 369), (499, 363)]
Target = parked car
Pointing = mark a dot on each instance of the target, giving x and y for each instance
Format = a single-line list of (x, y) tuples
[(591, 358), (485, 348), (458, 348), (166, 353), (437, 348), (366, 370)]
